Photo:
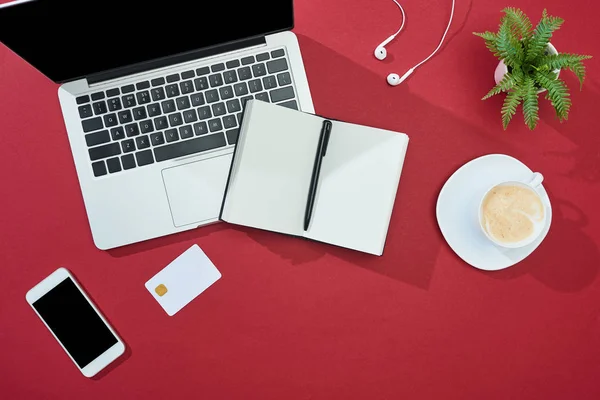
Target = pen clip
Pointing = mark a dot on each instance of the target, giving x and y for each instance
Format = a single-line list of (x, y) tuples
[(326, 134)]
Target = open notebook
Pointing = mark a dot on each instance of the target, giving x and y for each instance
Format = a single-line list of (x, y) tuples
[(272, 174)]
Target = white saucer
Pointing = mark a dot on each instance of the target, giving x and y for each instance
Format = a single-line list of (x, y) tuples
[(458, 205)]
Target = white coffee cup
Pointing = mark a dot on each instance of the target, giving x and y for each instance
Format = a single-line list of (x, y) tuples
[(533, 184)]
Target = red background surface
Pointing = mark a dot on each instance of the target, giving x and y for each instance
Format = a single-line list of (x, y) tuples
[(292, 319)]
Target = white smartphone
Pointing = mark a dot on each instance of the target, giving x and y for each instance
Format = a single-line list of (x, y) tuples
[(75, 322)]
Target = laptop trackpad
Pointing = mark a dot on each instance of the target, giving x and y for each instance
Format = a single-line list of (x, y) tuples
[(195, 190)]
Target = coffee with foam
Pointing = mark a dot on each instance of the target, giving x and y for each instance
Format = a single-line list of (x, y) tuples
[(512, 213)]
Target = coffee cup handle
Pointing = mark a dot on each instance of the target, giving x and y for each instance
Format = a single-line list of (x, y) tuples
[(536, 180)]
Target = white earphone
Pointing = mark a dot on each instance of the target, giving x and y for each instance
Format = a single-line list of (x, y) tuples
[(381, 52)]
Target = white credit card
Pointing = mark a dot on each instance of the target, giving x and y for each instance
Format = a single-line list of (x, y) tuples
[(183, 280)]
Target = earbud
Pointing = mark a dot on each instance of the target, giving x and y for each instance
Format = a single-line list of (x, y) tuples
[(380, 53), (395, 79)]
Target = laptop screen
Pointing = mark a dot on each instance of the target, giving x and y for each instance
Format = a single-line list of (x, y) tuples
[(70, 39)]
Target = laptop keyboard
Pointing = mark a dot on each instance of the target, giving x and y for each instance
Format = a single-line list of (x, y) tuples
[(179, 114)]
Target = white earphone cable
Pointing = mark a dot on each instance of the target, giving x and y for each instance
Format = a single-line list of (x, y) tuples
[(403, 17), (441, 41)]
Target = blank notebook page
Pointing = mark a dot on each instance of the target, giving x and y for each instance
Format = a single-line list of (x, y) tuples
[(271, 173), (357, 187)]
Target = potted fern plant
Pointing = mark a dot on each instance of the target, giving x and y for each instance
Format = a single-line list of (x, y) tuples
[(530, 65)]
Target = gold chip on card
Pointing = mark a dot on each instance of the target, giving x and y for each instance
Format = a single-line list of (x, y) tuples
[(161, 290)]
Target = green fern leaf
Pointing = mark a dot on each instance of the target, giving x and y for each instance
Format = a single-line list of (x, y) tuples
[(558, 93), (508, 82), (520, 23), (490, 41), (530, 103), (509, 47), (542, 35), (509, 109), (568, 61)]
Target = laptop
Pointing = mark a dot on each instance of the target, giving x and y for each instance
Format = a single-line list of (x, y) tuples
[(152, 95)]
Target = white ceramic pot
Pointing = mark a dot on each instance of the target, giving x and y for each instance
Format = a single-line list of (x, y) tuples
[(502, 69)]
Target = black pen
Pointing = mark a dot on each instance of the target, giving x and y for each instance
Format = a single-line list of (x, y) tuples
[(314, 179)]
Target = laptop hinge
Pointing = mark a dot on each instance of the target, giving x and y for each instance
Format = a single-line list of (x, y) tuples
[(175, 59)]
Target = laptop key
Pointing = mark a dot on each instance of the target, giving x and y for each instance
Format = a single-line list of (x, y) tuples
[(172, 90), (128, 146), (154, 110), (171, 135), (217, 67), (245, 100), (200, 128), (139, 113), (259, 70), (105, 151), (114, 104), (183, 102), (132, 130), (97, 96), (85, 111), (158, 81), (113, 92), (168, 106), (284, 78), (144, 157), (215, 125), (113, 165), (240, 89), (230, 76), (129, 101), (157, 139), (128, 161), (211, 95), (143, 97), (204, 112), (277, 53), (142, 142), (262, 57), (289, 104), (142, 85), (96, 138), (161, 123), (255, 86), (100, 108), (83, 99), (202, 71), (99, 168), (185, 131), (188, 147), (124, 116), (232, 136), (244, 73), (232, 64), (201, 83), (117, 133), (215, 80), (218, 109), (229, 121), (247, 60), (264, 96), (226, 92), (187, 74), (146, 126), (197, 99), (172, 78), (110, 120), (92, 124), (277, 65), (233, 106), (158, 94), (175, 119), (285, 93), (239, 118), (186, 87), (269, 82), (190, 116), (127, 89)]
